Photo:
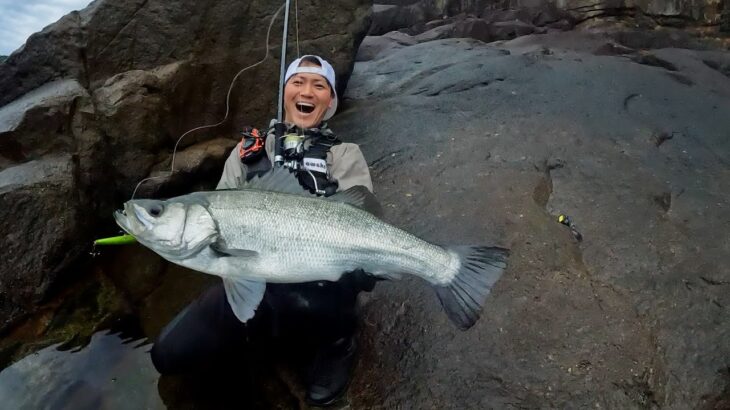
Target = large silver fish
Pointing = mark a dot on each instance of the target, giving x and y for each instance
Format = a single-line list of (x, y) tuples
[(273, 231)]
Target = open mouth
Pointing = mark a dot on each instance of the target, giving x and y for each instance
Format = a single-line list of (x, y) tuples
[(121, 217), (305, 108)]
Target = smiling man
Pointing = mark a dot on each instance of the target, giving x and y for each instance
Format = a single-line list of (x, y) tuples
[(309, 96), (320, 315)]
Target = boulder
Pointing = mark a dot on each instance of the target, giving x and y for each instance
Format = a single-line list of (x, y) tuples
[(680, 12), (437, 33), (467, 27), (423, 15), (400, 38), (487, 144), (218, 38), (43, 226), (38, 124), (419, 16), (473, 28), (115, 85), (374, 47), (492, 15), (54, 53), (132, 112), (542, 15), (719, 63), (507, 30), (392, 17), (197, 168), (478, 29)]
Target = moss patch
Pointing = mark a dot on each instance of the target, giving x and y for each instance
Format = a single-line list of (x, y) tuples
[(70, 319)]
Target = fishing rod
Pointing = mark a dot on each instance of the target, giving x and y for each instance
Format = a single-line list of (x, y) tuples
[(280, 127)]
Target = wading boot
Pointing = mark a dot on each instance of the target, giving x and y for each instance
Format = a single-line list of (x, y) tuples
[(330, 371)]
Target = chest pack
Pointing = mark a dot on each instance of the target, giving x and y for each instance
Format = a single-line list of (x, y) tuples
[(305, 153)]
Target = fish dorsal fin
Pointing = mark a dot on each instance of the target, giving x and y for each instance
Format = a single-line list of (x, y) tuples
[(279, 179), (358, 196)]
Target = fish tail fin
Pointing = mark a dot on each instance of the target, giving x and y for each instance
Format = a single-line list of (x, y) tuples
[(479, 270)]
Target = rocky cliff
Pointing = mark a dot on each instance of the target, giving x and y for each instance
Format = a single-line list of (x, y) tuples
[(93, 103), (620, 124), (414, 15)]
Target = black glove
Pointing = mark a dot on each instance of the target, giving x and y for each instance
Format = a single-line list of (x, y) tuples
[(362, 280)]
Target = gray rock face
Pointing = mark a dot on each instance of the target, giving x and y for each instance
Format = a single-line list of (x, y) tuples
[(37, 124), (216, 39), (41, 215), (193, 167), (388, 18), (490, 143), (725, 17), (376, 47), (132, 112), (373, 47), (415, 16), (113, 87)]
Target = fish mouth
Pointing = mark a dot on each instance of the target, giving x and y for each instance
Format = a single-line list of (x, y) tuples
[(132, 219), (120, 216)]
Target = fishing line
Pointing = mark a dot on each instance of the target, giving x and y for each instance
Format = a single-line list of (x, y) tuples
[(228, 106), (296, 21)]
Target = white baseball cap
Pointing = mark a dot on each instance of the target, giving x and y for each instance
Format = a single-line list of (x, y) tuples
[(325, 71)]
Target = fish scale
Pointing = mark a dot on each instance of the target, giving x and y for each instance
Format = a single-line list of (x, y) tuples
[(313, 237)]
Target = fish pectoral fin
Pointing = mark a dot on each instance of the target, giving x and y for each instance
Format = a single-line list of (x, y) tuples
[(244, 296), (359, 197), (222, 250)]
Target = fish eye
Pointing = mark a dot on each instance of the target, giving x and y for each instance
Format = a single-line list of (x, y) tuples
[(156, 210)]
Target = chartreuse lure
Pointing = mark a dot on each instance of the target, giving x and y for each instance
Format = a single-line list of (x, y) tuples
[(116, 240)]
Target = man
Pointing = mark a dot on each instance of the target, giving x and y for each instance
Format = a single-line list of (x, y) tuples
[(319, 314)]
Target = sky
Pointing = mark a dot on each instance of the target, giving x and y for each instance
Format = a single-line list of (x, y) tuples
[(21, 18)]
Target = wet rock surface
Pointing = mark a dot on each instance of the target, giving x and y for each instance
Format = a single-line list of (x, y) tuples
[(491, 143), (88, 379)]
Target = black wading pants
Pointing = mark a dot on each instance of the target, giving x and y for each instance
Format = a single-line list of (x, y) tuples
[(207, 333)]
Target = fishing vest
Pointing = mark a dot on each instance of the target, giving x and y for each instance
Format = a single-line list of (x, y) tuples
[(310, 165)]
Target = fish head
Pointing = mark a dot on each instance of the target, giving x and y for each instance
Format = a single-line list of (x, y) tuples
[(174, 229)]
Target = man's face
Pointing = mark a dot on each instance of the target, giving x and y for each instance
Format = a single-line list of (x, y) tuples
[(307, 97)]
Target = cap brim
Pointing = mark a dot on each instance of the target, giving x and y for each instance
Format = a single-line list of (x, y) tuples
[(331, 110)]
